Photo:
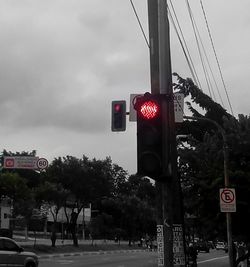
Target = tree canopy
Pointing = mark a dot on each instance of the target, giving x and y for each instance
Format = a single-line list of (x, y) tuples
[(201, 163)]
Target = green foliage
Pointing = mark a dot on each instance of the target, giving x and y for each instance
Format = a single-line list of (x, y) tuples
[(132, 209), (13, 186), (102, 226), (212, 110), (124, 205), (32, 177), (201, 163)]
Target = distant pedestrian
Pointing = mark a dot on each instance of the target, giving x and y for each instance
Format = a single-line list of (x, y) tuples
[(234, 255), (192, 255), (241, 255)]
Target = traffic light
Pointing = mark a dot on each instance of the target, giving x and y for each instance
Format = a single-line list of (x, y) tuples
[(118, 120), (149, 135)]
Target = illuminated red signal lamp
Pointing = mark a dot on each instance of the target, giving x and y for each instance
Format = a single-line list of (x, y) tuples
[(149, 109), (117, 107)]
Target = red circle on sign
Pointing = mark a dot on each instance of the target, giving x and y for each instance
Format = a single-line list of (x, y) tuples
[(9, 163), (42, 163), (227, 196)]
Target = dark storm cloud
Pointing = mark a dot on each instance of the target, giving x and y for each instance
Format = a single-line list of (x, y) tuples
[(57, 64), (63, 62)]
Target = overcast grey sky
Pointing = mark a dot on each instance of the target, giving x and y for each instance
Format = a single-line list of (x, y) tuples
[(64, 61)]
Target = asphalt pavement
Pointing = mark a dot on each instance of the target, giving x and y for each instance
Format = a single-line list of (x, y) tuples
[(204, 259)]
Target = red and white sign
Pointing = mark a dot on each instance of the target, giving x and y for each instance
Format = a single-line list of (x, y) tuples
[(25, 162), (42, 163), (227, 200), (9, 163), (178, 107)]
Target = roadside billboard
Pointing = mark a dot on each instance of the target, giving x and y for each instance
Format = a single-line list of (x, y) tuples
[(24, 162)]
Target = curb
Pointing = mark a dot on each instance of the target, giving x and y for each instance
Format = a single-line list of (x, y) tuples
[(61, 255)]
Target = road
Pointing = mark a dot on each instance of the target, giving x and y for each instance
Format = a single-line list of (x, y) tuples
[(136, 259), (214, 258)]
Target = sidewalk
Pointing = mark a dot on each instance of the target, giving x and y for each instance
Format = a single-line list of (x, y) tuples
[(42, 247), (108, 252), (46, 241)]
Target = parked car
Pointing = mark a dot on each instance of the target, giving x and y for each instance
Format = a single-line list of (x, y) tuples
[(202, 246), (211, 244), (226, 248), (220, 245), (11, 254)]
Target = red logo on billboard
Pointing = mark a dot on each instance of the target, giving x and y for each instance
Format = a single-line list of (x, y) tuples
[(9, 163)]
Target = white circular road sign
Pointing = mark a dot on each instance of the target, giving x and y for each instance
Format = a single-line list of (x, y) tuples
[(42, 163)]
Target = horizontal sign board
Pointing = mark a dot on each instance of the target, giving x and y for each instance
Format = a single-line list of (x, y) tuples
[(24, 162)]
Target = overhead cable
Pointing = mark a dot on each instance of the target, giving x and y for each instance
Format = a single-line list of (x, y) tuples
[(208, 64), (211, 39), (137, 17), (198, 46), (183, 44)]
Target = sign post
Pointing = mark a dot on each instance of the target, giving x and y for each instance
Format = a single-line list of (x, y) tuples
[(178, 245), (160, 244)]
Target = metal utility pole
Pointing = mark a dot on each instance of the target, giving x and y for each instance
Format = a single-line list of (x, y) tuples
[(154, 45), (170, 231)]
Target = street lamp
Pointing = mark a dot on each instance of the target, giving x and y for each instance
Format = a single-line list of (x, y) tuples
[(226, 182)]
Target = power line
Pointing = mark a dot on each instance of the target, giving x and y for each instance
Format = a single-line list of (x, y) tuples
[(198, 46), (188, 57), (183, 44), (209, 66), (137, 17), (208, 63), (218, 64), (187, 53)]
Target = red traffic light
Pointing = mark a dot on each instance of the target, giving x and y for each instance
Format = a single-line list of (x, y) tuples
[(149, 109), (118, 116), (118, 107), (149, 135)]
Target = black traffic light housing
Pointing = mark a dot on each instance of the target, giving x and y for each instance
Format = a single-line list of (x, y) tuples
[(149, 135), (118, 119)]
